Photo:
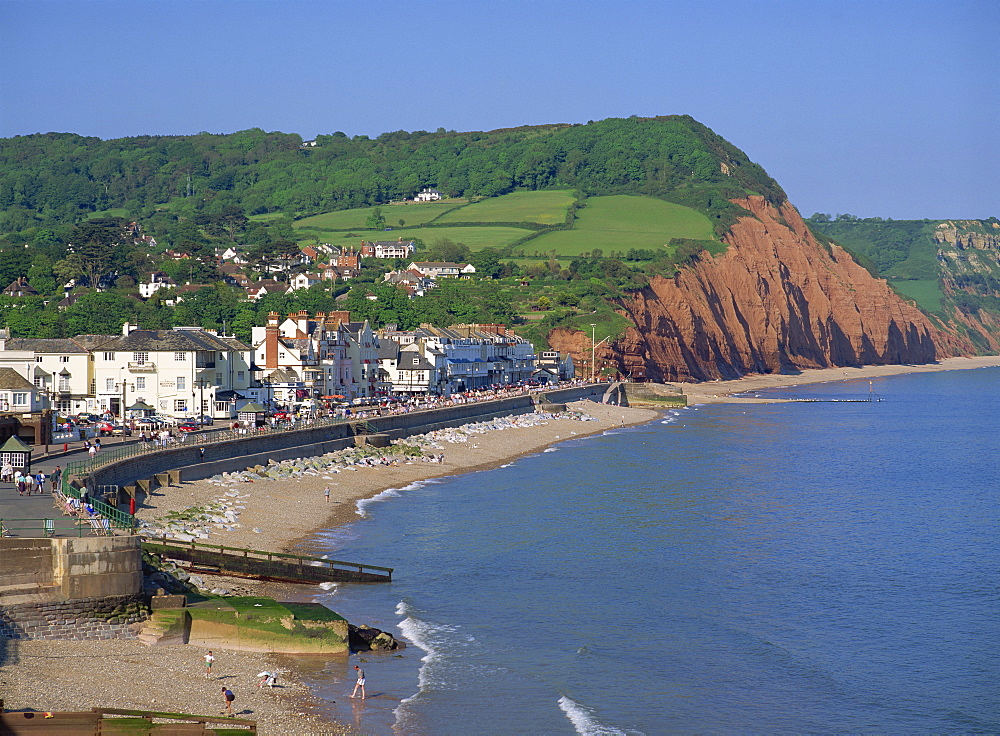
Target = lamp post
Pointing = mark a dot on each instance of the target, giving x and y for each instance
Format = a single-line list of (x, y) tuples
[(593, 350), (121, 412), (200, 383)]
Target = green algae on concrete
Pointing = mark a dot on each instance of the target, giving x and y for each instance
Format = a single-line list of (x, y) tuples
[(259, 624)]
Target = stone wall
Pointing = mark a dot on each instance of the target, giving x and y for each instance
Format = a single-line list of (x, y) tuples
[(86, 618), (43, 570)]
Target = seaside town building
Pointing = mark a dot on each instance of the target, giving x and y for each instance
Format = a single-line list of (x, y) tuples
[(186, 370), (303, 361), (446, 360)]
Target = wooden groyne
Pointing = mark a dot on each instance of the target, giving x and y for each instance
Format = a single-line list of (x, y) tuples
[(281, 567)]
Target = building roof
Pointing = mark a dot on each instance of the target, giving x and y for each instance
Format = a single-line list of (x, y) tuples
[(186, 339), (61, 345), (11, 380)]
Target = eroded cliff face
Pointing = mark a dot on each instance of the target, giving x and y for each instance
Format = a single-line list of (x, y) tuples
[(775, 300)]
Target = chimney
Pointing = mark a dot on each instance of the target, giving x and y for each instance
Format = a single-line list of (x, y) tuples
[(302, 322), (128, 328), (271, 341)]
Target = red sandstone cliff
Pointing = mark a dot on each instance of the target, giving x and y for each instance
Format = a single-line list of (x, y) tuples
[(775, 300)]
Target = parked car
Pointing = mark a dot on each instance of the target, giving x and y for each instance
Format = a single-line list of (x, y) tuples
[(203, 419), (188, 427), (107, 429)]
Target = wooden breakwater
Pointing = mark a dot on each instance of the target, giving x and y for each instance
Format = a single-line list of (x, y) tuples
[(276, 566)]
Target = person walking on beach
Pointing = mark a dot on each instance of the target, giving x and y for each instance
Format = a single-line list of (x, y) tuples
[(228, 697), (360, 683), (209, 661), (326, 493)]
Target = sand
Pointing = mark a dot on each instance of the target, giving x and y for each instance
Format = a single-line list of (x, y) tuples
[(50, 675)]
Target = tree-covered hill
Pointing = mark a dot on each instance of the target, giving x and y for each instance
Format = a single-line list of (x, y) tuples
[(59, 178)]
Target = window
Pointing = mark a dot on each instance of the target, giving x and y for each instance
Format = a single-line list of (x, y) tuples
[(64, 405), (109, 384), (140, 383), (180, 357), (140, 357), (64, 383), (38, 381), (218, 379), (38, 358), (64, 359), (180, 405), (239, 375), (18, 399), (416, 361), (181, 383), (109, 356)]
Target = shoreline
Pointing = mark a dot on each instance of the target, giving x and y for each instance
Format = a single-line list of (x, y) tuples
[(721, 392), (288, 515)]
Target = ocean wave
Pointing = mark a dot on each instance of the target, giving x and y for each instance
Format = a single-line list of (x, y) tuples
[(364, 503), (549, 449), (434, 639), (584, 721)]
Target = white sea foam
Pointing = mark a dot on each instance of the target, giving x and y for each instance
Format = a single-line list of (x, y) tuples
[(583, 719), (549, 449), (328, 586), (364, 503)]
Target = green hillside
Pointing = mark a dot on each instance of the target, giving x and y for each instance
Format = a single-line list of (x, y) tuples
[(544, 208), (412, 213), (619, 223)]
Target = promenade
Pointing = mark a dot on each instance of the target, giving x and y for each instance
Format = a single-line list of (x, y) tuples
[(25, 516)]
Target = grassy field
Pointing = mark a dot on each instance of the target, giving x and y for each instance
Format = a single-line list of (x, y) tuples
[(621, 222), (413, 213), (474, 237), (546, 208), (926, 292), (114, 212)]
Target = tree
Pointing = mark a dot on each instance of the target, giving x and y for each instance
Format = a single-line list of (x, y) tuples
[(450, 251), (375, 220)]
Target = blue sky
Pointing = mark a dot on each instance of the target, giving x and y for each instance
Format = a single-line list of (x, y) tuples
[(877, 108)]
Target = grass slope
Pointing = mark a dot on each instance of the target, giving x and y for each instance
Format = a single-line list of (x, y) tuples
[(621, 222), (413, 213), (474, 237), (545, 208)]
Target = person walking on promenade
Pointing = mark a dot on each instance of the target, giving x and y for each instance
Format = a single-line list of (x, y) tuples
[(7, 472), (360, 683), (209, 661), (201, 454), (228, 697), (56, 478), (21, 484), (40, 483)]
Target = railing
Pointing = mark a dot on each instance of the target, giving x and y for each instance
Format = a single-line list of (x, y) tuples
[(118, 519), (312, 564), (44, 527)]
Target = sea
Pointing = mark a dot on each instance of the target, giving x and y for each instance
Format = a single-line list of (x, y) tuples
[(825, 566)]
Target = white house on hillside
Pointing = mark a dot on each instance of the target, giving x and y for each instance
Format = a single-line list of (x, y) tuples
[(428, 195)]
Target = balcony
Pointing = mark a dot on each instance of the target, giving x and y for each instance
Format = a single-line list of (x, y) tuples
[(146, 367)]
